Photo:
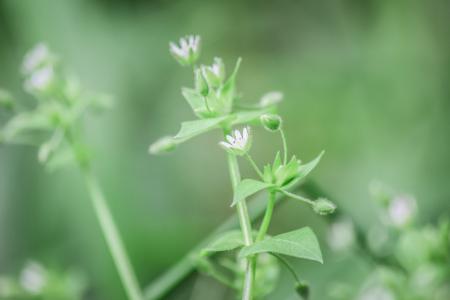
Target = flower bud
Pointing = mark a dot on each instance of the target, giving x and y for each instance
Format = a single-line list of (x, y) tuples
[(41, 81), (163, 145), (324, 206), (271, 98), (214, 74), (36, 58), (201, 86), (271, 122), (302, 289)]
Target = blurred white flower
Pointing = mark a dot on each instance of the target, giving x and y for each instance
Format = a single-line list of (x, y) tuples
[(35, 58), (341, 235), (188, 50), (33, 278), (401, 210), (271, 98), (238, 144), (40, 80), (215, 73), (376, 293)]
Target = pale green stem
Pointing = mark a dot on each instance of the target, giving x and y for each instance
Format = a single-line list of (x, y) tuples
[(113, 239), (267, 217), (252, 162), (297, 197), (285, 149), (246, 228)]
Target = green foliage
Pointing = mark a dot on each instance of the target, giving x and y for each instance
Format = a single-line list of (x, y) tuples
[(227, 241), (300, 243), (248, 187)]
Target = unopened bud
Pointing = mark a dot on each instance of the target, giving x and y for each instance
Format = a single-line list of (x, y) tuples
[(271, 122), (201, 86), (324, 206), (163, 145), (302, 289)]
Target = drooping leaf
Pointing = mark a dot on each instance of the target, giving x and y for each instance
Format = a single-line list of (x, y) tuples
[(248, 187), (225, 242), (191, 129), (301, 243)]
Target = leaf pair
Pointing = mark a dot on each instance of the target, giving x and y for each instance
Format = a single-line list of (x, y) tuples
[(301, 243)]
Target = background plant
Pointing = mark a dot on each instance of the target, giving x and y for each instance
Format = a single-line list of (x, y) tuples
[(213, 100)]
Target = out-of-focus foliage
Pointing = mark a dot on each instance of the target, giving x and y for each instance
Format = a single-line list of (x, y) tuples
[(365, 80)]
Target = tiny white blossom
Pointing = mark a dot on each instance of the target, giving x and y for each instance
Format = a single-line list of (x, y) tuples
[(40, 80), (401, 210), (376, 293), (271, 98), (341, 235), (187, 51), (33, 278), (35, 58), (238, 144)]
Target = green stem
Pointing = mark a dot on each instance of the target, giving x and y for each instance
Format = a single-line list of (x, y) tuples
[(285, 149), (246, 228), (267, 216), (252, 162), (113, 239), (297, 197)]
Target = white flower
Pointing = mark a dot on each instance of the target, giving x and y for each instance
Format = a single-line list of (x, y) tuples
[(341, 235), (238, 144), (187, 51), (271, 98), (35, 58), (40, 80), (401, 210), (33, 278)]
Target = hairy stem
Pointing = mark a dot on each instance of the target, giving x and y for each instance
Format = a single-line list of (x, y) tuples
[(246, 228), (297, 197), (285, 149)]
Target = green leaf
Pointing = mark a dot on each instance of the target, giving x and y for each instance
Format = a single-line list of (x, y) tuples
[(228, 91), (301, 243), (60, 159), (24, 122), (225, 242), (305, 169), (194, 99), (191, 129), (248, 187), (245, 117)]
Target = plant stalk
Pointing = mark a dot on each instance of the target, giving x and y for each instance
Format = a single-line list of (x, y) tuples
[(267, 216), (246, 228)]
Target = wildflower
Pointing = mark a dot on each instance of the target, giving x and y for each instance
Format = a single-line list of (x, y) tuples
[(324, 206), (401, 210), (33, 278), (187, 52), (214, 74), (36, 58), (41, 80), (239, 144), (271, 98), (271, 122)]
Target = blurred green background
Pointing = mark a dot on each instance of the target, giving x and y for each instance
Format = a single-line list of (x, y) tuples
[(368, 81)]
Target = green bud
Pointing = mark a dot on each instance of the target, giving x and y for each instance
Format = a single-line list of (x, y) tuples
[(214, 74), (324, 206), (302, 289), (163, 145), (201, 86), (6, 100), (271, 122)]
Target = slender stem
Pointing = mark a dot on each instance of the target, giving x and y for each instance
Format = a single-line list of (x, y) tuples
[(113, 239), (297, 197), (246, 228), (267, 216), (252, 162), (285, 149), (107, 225)]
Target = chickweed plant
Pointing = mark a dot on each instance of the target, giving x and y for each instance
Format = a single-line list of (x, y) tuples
[(54, 125), (249, 257)]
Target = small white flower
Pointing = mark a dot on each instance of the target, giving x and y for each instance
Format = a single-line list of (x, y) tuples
[(187, 51), (40, 80), (271, 98), (341, 235), (215, 73), (33, 278), (401, 210), (35, 58), (238, 144)]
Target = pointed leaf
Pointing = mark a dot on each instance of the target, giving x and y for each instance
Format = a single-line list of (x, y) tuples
[(191, 129), (225, 242), (245, 117), (301, 243), (308, 167), (248, 187), (276, 162), (194, 99), (228, 91)]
